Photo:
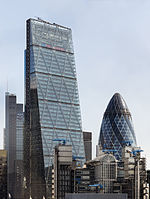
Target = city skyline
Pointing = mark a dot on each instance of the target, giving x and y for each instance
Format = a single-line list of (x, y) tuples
[(114, 47)]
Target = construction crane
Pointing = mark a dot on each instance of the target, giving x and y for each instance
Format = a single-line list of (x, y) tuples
[(96, 185), (61, 140), (134, 152), (77, 157), (109, 150), (127, 142)]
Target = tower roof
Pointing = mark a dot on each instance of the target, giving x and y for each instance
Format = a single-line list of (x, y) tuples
[(117, 105)]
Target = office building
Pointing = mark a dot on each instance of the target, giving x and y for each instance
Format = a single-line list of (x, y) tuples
[(67, 175), (52, 108), (61, 182), (131, 178), (13, 143), (3, 174), (96, 196), (19, 152), (116, 128), (148, 181), (82, 178), (10, 138), (105, 170), (87, 138), (104, 174)]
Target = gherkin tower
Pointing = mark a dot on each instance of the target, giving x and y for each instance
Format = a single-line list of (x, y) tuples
[(116, 128)]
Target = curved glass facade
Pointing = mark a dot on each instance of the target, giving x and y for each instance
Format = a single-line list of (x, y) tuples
[(117, 128)]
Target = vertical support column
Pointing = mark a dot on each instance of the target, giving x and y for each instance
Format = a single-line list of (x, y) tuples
[(137, 179)]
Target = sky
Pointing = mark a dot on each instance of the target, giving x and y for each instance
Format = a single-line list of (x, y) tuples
[(112, 52)]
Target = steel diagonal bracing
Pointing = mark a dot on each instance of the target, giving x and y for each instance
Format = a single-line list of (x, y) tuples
[(71, 109), (45, 105), (56, 99), (116, 126), (60, 94), (57, 89)]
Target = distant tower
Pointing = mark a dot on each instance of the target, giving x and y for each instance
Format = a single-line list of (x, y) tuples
[(10, 139), (13, 144), (116, 129), (87, 137)]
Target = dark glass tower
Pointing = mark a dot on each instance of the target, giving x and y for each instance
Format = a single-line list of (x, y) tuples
[(52, 109), (13, 144), (116, 129), (19, 152), (87, 137)]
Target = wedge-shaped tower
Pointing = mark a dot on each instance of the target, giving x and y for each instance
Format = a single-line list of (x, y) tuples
[(117, 128), (52, 109)]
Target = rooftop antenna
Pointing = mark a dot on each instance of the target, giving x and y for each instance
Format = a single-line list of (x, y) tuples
[(7, 85), (39, 18)]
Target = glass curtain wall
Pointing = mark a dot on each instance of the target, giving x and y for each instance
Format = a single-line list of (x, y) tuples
[(117, 128), (52, 101)]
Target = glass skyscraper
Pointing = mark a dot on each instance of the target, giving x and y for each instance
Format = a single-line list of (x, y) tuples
[(13, 144), (19, 152), (117, 128), (52, 109)]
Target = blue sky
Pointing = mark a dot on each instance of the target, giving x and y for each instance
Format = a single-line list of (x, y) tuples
[(112, 51)]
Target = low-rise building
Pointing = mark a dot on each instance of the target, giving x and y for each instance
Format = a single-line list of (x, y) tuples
[(104, 174), (96, 196), (131, 176), (3, 174), (87, 138), (61, 174)]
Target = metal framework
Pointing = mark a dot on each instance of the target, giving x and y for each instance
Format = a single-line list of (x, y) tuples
[(52, 101)]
